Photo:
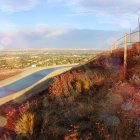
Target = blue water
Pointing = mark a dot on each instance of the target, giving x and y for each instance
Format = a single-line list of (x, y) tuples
[(27, 81)]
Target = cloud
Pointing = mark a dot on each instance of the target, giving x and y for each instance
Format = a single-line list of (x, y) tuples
[(5, 41), (1, 48), (6, 24), (17, 5), (51, 31), (114, 13), (109, 13), (119, 22), (107, 6), (57, 37)]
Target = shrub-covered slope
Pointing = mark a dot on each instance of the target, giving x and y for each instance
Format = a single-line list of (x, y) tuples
[(94, 101)]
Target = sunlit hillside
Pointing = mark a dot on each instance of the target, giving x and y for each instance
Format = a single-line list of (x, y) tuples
[(96, 100)]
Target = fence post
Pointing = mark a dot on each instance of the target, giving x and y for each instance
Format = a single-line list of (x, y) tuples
[(111, 49), (130, 35), (139, 27), (125, 54), (115, 46)]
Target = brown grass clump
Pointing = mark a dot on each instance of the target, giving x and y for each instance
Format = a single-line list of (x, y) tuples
[(78, 86), (25, 126), (82, 86), (97, 79), (135, 80)]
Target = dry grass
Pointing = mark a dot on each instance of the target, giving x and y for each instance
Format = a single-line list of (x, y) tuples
[(4, 74), (108, 109), (135, 80), (25, 126)]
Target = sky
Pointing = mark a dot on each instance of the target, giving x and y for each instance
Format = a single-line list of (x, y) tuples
[(65, 23)]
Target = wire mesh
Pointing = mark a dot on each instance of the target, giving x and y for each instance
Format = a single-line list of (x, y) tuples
[(132, 37)]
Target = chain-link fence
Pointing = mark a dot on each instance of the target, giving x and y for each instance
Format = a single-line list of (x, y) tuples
[(127, 41), (132, 37)]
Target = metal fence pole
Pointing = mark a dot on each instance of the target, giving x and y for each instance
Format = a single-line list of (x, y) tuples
[(139, 27), (111, 49), (115, 45), (125, 54), (130, 35)]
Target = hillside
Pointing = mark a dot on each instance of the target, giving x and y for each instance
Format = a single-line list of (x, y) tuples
[(93, 101)]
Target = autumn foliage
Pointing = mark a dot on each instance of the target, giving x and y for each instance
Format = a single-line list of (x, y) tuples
[(25, 126), (94, 101)]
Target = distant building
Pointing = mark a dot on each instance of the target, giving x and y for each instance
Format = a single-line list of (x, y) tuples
[(34, 66)]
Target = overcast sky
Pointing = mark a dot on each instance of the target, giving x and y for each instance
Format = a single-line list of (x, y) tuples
[(65, 23)]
